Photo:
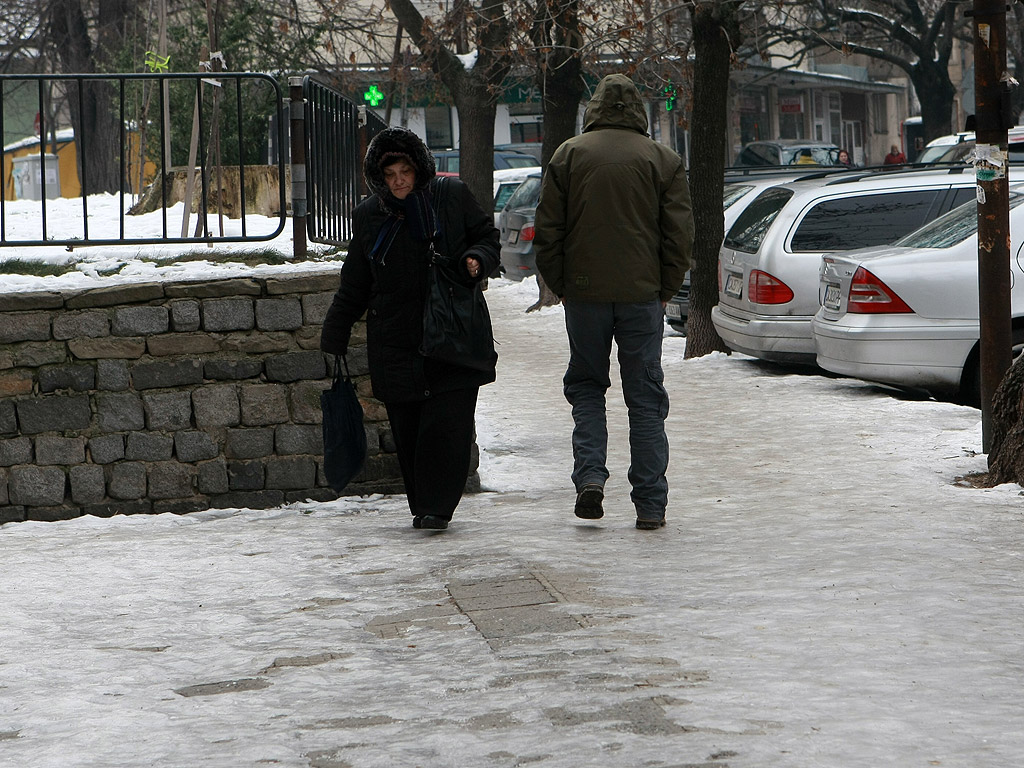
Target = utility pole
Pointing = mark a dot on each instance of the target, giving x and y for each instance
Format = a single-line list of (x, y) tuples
[(992, 89)]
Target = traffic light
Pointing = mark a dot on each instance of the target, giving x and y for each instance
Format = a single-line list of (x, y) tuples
[(670, 97)]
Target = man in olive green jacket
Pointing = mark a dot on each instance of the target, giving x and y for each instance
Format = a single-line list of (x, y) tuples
[(614, 234)]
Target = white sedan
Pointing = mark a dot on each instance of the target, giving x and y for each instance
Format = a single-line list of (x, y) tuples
[(907, 315)]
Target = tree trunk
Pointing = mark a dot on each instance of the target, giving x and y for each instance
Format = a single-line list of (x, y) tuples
[(714, 29), (560, 80), (93, 106), (559, 73), (474, 91), (477, 113), (935, 92), (546, 298), (1006, 455)]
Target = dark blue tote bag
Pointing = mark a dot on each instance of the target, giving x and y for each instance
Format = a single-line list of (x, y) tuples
[(344, 434)]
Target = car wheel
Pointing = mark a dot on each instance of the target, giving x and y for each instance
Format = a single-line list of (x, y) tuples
[(970, 381)]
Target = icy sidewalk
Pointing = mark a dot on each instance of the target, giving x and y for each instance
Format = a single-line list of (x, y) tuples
[(824, 595)]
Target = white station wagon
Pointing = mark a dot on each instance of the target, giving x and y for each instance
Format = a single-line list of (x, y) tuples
[(768, 278)]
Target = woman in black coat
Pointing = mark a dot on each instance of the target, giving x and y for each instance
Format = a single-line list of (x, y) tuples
[(430, 404)]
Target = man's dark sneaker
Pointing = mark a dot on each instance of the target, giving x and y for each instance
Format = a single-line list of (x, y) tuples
[(417, 522), (588, 502), (433, 523), (646, 524)]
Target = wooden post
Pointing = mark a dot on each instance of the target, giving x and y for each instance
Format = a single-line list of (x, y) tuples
[(990, 165)]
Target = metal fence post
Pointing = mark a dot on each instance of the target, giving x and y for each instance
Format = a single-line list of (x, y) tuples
[(364, 142), (297, 108)]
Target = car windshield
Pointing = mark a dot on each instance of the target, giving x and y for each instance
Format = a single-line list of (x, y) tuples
[(809, 156), (527, 195), (733, 192), (951, 228), (932, 154), (957, 153), (516, 161), (751, 226)]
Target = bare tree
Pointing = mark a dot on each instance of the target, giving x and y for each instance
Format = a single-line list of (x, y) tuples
[(89, 38), (716, 34), (474, 87), (916, 36)]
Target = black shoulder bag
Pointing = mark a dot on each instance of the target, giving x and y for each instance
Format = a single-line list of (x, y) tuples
[(343, 430), (456, 323)]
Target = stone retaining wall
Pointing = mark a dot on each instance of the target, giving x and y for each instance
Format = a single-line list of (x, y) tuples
[(172, 397)]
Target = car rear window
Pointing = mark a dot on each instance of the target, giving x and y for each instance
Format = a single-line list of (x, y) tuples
[(504, 193), (951, 228), (733, 192), (749, 230), (860, 221), (527, 195)]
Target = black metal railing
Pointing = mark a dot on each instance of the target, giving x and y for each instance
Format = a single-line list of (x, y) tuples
[(337, 133), (227, 109)]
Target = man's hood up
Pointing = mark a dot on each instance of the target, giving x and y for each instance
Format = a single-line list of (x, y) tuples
[(615, 104)]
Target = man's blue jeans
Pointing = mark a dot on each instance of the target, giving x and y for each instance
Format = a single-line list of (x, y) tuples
[(637, 330)]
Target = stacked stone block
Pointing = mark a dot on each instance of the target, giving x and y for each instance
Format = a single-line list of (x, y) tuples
[(173, 397)]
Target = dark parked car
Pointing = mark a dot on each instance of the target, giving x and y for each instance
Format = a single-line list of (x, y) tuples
[(448, 160), (529, 147), (516, 229)]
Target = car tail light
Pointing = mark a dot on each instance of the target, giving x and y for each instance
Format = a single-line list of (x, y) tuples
[(526, 233), (869, 295), (765, 289)]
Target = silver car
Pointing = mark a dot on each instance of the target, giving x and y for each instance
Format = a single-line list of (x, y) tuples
[(907, 315), (769, 261), (516, 230)]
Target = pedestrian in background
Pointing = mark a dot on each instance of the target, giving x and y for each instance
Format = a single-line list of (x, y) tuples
[(844, 158), (895, 157), (614, 235), (430, 404)]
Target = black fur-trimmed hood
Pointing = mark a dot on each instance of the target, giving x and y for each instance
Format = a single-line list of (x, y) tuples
[(397, 141)]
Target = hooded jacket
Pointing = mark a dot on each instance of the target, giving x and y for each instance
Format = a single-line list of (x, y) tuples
[(614, 223), (389, 283)]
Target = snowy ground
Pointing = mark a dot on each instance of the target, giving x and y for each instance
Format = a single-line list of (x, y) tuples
[(825, 594)]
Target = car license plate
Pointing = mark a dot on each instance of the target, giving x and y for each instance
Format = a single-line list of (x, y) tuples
[(734, 285), (513, 237), (832, 296), (672, 310)]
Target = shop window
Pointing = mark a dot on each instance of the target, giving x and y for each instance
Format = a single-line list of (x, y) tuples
[(754, 121), (522, 133), (791, 115), (880, 112)]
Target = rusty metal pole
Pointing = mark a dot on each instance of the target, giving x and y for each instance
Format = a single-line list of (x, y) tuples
[(297, 109), (990, 163), (364, 143)]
